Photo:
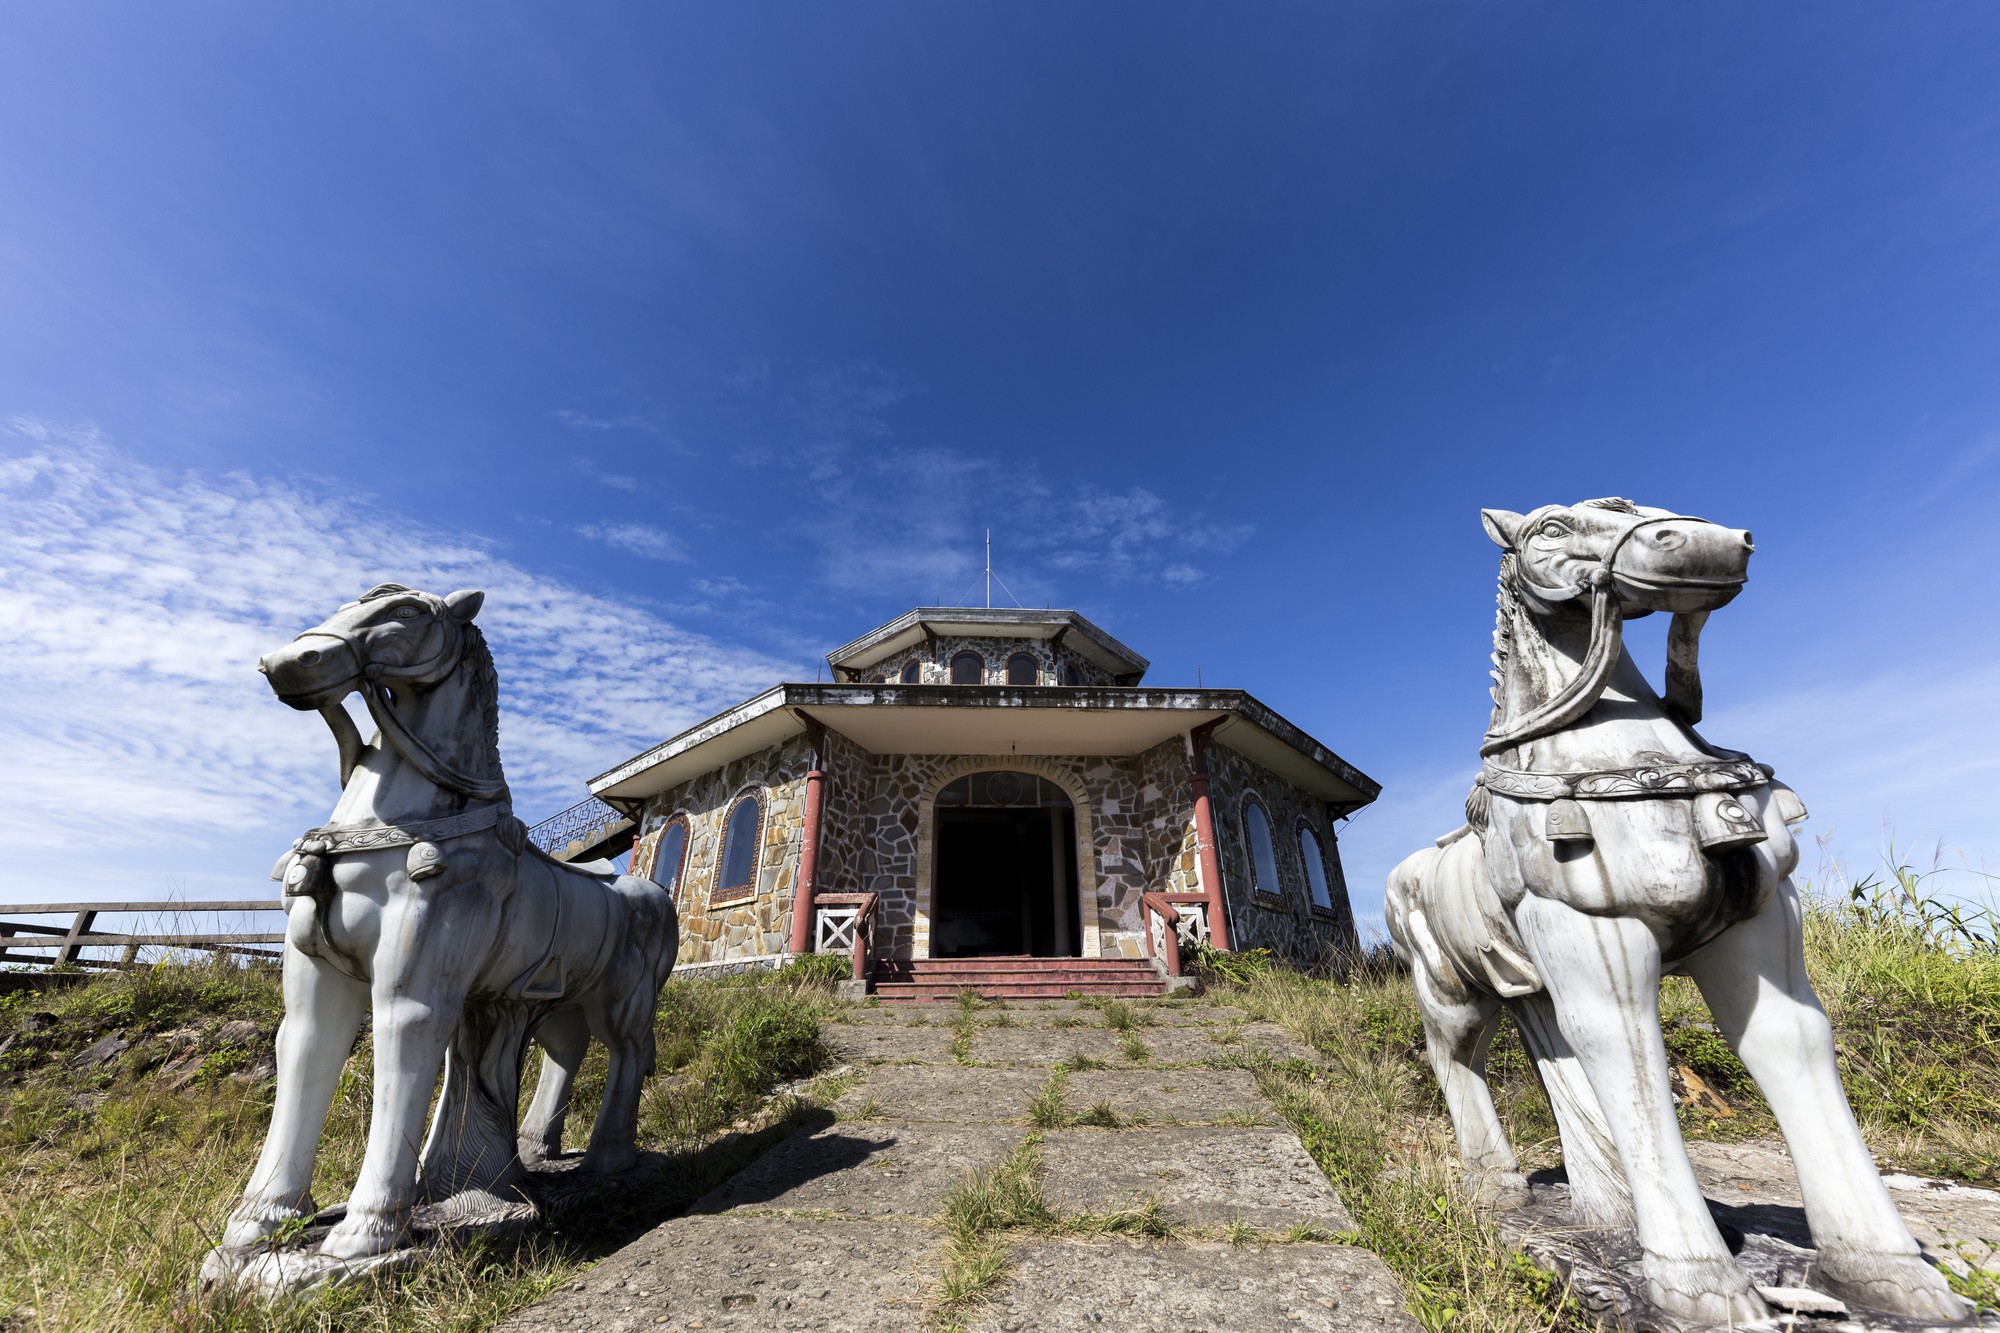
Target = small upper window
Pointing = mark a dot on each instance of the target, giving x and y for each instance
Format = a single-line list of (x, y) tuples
[(1315, 860), (912, 672), (1069, 675), (968, 668), (738, 876), (1022, 670), (1263, 852)]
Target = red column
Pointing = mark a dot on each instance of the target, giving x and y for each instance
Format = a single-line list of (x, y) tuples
[(1204, 837), (814, 816)]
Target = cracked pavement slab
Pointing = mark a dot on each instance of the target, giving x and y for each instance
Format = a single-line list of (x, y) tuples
[(1056, 1286)]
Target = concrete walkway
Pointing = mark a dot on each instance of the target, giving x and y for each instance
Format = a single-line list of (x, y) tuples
[(838, 1227)]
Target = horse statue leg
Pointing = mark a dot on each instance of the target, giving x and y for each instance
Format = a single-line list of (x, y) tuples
[(564, 1037), (1603, 976), (1754, 979), (429, 947), (1459, 1021), (323, 1012)]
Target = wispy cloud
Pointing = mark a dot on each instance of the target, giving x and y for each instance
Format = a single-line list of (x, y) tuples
[(617, 481), (849, 401), (1134, 534), (137, 601), (904, 520), (640, 539), (585, 421)]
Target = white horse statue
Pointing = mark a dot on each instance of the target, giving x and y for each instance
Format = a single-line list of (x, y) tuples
[(422, 900), (1607, 844)]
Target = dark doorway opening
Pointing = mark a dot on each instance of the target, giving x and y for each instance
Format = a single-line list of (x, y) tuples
[(1005, 881)]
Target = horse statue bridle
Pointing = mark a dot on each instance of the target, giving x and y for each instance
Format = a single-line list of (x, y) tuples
[(1567, 705), (373, 679)]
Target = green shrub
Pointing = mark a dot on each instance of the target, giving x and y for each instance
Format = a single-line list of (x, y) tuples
[(1218, 967)]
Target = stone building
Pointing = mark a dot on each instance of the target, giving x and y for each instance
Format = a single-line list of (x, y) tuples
[(1007, 789)]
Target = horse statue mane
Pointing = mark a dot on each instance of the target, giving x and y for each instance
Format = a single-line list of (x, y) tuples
[(1605, 842)]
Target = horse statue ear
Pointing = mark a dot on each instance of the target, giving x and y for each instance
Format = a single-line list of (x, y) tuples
[(464, 605), (1502, 525)]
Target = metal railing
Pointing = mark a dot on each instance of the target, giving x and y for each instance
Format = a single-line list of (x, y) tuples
[(578, 828), (29, 942)]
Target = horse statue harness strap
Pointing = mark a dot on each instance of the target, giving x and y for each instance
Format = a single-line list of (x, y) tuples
[(306, 871)]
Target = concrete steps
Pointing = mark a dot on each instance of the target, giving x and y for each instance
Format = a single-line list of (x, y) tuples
[(1015, 978)]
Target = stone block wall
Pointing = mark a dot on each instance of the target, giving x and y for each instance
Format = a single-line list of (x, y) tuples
[(1287, 923), (758, 925)]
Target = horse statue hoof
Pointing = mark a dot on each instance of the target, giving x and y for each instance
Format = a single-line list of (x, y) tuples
[(363, 1236), (1710, 1291), (1500, 1190), (252, 1224), (1901, 1284)]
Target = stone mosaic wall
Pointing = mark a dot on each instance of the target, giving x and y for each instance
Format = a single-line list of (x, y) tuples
[(1135, 831), (1173, 853), (760, 924), (1286, 923), (879, 836), (936, 668)]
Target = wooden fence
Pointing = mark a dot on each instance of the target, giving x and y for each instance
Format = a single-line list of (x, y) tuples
[(29, 942)]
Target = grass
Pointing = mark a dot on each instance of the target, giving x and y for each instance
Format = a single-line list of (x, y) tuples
[(965, 1026), (986, 1206), (118, 1181)]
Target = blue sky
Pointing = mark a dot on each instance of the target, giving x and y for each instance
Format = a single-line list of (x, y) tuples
[(709, 336)]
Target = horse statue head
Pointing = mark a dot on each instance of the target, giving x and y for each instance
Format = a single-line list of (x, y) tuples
[(395, 641), (391, 634), (1601, 563)]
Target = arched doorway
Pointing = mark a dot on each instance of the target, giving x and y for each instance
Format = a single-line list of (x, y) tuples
[(1005, 877)]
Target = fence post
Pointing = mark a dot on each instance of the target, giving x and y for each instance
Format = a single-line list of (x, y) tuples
[(81, 926)]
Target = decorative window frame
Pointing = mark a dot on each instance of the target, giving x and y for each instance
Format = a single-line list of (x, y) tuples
[(951, 667), (1328, 912), (1274, 895), (911, 674), (1034, 667), (645, 855), (755, 793)]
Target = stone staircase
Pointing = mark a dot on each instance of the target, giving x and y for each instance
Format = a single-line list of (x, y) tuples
[(907, 979)]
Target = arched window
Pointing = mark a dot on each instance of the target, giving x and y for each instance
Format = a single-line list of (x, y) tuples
[(668, 855), (912, 672), (1315, 860), (1069, 675), (736, 876), (1263, 852), (968, 668), (1022, 670)]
